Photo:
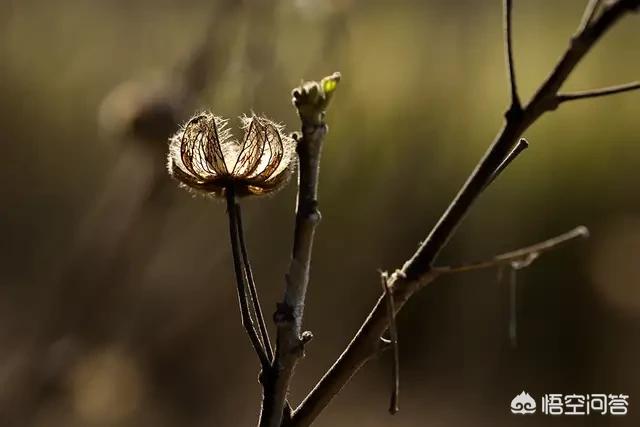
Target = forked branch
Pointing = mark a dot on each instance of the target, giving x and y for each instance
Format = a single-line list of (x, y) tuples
[(418, 271)]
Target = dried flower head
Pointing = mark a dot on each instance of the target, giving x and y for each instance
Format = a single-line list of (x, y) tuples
[(205, 157)]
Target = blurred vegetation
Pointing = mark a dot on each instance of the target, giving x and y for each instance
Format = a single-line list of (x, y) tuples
[(116, 298)]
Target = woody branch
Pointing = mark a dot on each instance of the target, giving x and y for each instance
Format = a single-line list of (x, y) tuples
[(418, 271), (311, 101)]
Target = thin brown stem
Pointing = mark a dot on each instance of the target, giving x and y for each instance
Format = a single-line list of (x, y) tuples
[(253, 292), (589, 14), (247, 321), (520, 256), (311, 101), (595, 93), (510, 134), (516, 106), (417, 271)]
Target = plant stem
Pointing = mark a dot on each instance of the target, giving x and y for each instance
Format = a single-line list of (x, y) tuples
[(311, 101), (595, 93), (516, 106), (520, 256), (418, 271), (247, 321), (253, 292)]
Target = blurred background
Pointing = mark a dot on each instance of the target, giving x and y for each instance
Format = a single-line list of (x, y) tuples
[(117, 302)]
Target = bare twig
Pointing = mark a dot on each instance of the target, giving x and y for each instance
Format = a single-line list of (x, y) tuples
[(516, 260), (393, 334), (247, 321), (520, 256), (595, 93), (516, 106), (365, 343), (519, 148), (253, 292), (589, 14), (311, 100), (542, 102), (418, 271)]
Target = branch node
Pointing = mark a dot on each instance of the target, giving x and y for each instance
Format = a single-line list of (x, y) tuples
[(420, 267), (284, 314), (309, 210), (397, 275), (525, 261), (305, 338), (515, 112)]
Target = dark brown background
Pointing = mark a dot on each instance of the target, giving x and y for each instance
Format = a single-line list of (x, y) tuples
[(117, 306)]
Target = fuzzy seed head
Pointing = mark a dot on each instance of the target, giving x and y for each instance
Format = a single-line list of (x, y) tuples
[(204, 156)]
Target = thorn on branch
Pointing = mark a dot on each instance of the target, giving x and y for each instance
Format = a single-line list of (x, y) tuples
[(305, 338), (514, 113)]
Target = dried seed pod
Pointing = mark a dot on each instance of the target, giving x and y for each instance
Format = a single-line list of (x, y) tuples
[(203, 156)]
